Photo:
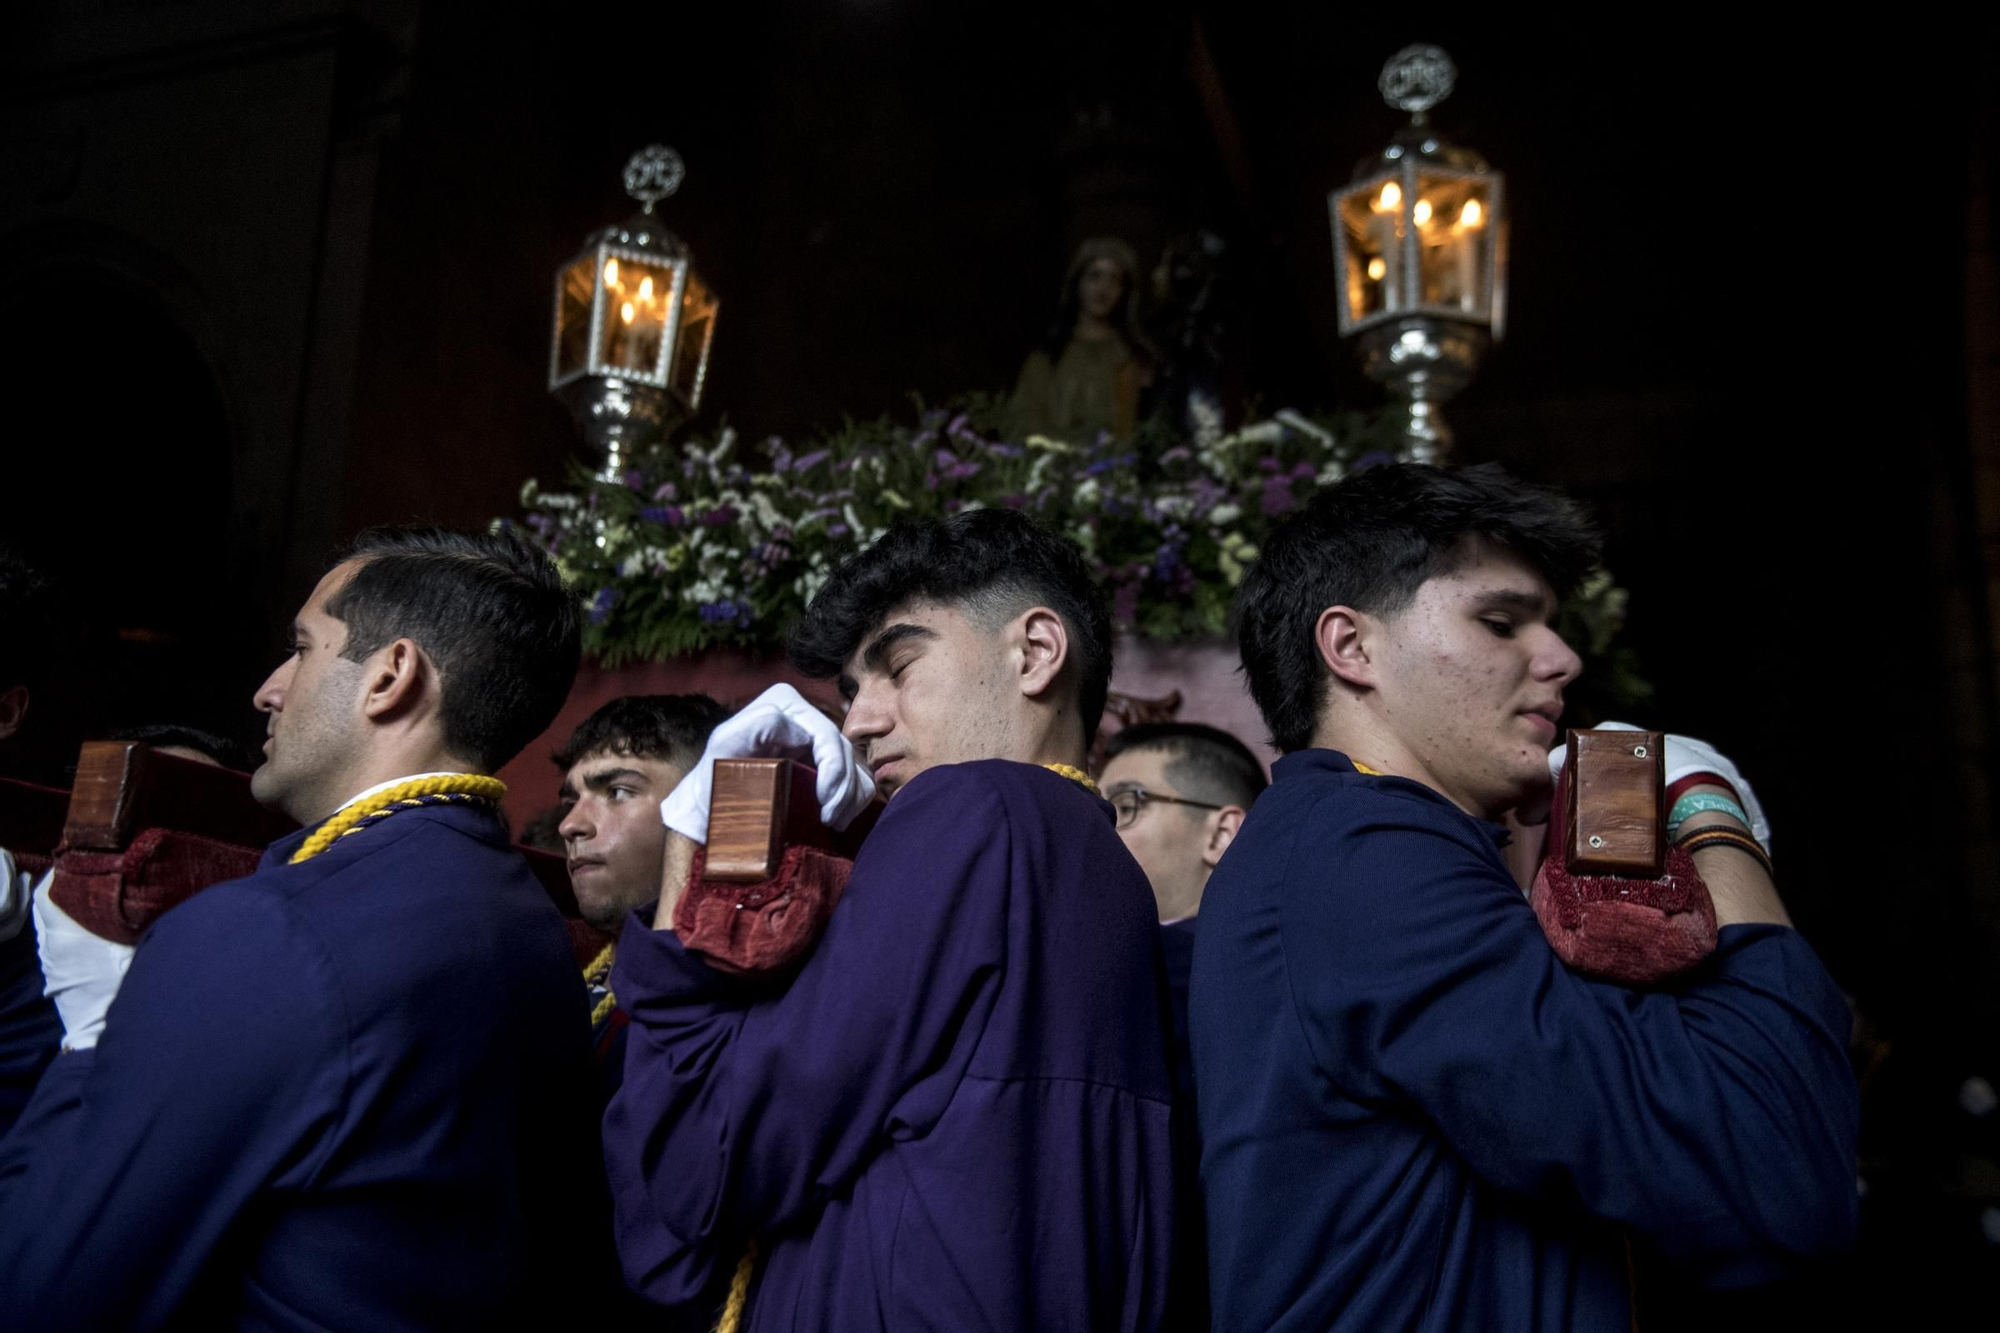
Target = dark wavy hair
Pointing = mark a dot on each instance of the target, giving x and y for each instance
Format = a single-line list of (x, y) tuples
[(992, 564), (1370, 543), (673, 727), (489, 610)]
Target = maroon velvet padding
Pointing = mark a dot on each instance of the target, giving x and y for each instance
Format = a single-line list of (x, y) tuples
[(118, 894), (764, 928), (1633, 931)]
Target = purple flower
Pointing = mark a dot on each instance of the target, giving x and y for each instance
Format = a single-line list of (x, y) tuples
[(1014, 501), (1180, 453), (1267, 463), (667, 514), (600, 605), (634, 479), (719, 517), (667, 491), (836, 531), (1278, 496), (957, 425), (1125, 603), (811, 460), (1376, 458), (1303, 471)]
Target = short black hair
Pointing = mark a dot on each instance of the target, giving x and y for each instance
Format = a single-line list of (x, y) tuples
[(991, 564), (673, 727), (490, 611), (1205, 762), (228, 753), (1370, 543), (27, 624)]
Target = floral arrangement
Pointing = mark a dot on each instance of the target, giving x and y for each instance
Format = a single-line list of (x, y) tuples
[(704, 543)]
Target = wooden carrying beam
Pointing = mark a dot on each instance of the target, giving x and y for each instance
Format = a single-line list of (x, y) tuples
[(125, 786), (762, 806), (1617, 783)]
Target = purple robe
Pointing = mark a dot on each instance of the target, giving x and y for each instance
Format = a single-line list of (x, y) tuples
[(956, 1114)]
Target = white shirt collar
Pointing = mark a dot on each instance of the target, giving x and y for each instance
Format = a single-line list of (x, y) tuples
[(384, 786)]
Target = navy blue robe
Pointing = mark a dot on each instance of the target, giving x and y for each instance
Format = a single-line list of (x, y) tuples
[(30, 1029), (1414, 1117), (955, 1115), (351, 1093)]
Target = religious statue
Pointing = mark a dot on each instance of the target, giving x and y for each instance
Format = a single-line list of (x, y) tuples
[(1088, 375), (1188, 326)]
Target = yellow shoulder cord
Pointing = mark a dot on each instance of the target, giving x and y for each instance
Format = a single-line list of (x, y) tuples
[(731, 1320), (1074, 774), (444, 789), (733, 1308), (1360, 767), (599, 973)]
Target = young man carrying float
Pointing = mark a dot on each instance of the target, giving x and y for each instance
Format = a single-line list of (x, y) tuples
[(353, 1090), (955, 1113), (1412, 1115)]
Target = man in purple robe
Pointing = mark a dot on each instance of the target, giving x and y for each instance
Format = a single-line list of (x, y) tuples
[(956, 1112)]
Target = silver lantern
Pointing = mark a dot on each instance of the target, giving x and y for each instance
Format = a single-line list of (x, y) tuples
[(1420, 252), (633, 324)]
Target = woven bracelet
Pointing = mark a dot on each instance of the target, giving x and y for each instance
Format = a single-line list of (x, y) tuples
[(1719, 836)]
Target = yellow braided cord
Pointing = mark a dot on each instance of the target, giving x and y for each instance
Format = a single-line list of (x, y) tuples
[(599, 971), (1360, 767), (444, 784), (739, 1292), (1074, 774)]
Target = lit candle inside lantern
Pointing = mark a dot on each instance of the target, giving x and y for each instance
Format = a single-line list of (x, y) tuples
[(610, 273), (1466, 236), (1387, 269)]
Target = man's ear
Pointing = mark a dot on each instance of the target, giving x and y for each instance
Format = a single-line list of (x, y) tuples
[(398, 677), (1222, 826), (1341, 636), (1043, 641), (13, 708)]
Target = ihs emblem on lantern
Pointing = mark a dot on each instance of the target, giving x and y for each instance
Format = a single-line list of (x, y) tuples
[(1420, 252), (633, 323)]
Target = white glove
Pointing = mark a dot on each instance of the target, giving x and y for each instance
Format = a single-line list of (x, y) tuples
[(81, 972), (1685, 755), (778, 722)]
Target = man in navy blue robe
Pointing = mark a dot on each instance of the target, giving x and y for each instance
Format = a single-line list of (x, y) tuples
[(1413, 1116), (956, 1113), (353, 1090), (29, 1029), (617, 766)]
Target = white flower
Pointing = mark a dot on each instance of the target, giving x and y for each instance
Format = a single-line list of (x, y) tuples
[(1225, 513), (529, 489), (1088, 492)]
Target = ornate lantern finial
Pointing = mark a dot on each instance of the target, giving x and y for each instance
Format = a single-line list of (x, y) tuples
[(1419, 245), (633, 323), (653, 173), (1417, 78)]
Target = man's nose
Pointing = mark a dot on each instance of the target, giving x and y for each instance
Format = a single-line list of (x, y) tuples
[(1558, 661), (864, 719), (270, 696), (576, 824)]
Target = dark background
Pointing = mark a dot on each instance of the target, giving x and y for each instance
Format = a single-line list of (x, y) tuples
[(270, 272)]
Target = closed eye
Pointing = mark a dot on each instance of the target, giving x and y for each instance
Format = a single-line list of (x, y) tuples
[(1503, 629)]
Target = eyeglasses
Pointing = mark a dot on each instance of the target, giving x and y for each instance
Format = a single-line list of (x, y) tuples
[(1129, 801)]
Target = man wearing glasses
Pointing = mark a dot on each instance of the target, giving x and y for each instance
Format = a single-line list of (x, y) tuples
[(1181, 790)]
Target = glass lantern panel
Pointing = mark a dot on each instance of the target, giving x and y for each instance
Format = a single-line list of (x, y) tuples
[(638, 304), (1371, 217), (698, 308), (574, 291), (1454, 222)]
